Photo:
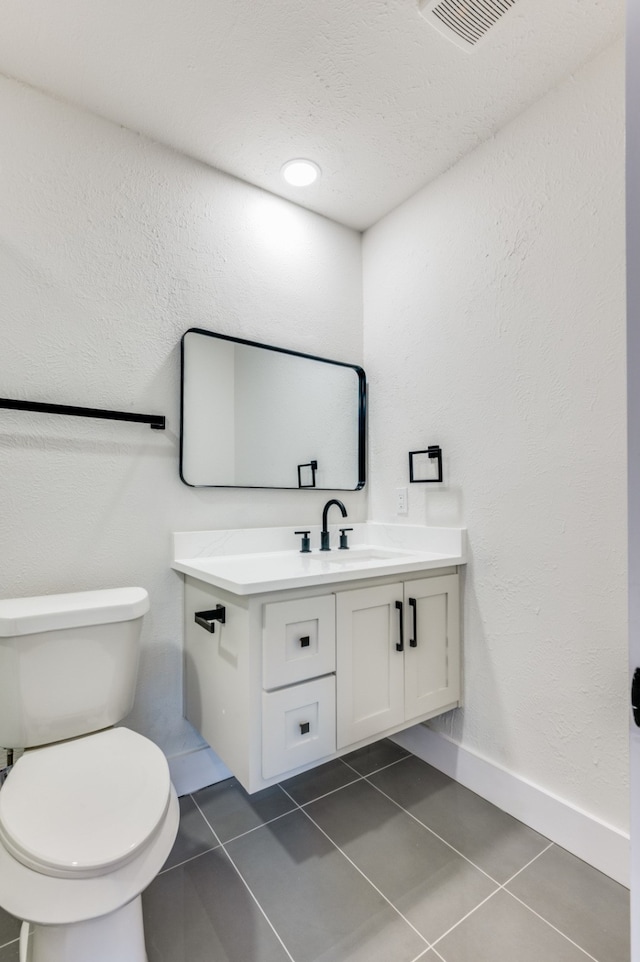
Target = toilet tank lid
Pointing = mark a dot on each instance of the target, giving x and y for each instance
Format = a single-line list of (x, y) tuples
[(26, 616)]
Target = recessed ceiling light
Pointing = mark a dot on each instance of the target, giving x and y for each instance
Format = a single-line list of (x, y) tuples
[(300, 173)]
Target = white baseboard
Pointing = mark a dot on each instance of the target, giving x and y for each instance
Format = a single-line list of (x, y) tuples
[(196, 769), (595, 842)]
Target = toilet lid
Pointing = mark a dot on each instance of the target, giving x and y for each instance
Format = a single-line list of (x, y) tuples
[(84, 807)]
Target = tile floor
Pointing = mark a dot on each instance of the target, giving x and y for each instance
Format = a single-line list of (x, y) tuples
[(376, 857)]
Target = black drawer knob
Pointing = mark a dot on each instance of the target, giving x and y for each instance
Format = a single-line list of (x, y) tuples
[(305, 641), (304, 728)]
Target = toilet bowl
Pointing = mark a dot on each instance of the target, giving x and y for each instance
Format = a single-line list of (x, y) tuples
[(86, 822), (85, 826)]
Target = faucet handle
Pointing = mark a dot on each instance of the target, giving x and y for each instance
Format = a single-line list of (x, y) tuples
[(343, 537), (305, 545)]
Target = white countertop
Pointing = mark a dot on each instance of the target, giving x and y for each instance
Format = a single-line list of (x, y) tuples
[(255, 560)]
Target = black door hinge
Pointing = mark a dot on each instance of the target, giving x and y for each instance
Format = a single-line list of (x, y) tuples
[(635, 696)]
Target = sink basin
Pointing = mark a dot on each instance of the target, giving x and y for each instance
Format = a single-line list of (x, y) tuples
[(358, 556)]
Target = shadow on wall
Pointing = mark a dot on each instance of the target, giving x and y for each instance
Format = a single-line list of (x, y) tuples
[(444, 506), (158, 694), (478, 677)]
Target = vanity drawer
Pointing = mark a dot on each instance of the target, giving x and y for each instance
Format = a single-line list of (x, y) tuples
[(298, 640), (298, 725)]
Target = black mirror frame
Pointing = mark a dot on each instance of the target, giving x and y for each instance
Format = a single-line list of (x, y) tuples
[(362, 412)]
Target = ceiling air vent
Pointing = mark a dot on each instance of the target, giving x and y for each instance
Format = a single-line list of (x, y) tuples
[(465, 22)]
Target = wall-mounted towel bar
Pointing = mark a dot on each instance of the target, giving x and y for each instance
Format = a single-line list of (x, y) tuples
[(156, 421)]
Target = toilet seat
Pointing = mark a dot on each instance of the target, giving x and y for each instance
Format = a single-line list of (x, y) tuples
[(86, 807)]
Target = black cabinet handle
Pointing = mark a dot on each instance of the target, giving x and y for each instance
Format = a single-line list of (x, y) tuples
[(400, 645), (305, 641), (304, 728), (207, 619), (413, 642)]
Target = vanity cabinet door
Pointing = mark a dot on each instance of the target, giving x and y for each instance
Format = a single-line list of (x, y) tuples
[(386, 675), (369, 668), (432, 649)]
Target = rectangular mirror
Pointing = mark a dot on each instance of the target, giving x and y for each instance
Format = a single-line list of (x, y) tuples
[(256, 416)]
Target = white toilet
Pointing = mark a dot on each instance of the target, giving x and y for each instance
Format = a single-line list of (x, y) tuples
[(88, 814)]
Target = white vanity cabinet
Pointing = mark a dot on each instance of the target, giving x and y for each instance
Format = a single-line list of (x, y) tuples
[(296, 677)]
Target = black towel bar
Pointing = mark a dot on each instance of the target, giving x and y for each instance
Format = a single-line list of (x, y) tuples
[(156, 421)]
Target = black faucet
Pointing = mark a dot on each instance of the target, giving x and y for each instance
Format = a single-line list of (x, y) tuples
[(324, 534)]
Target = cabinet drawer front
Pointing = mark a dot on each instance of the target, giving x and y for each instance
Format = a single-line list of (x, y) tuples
[(298, 725), (298, 640)]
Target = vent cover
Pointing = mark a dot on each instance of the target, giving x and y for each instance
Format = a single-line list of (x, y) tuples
[(465, 22)]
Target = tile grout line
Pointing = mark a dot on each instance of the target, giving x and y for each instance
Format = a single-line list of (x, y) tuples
[(366, 777), (466, 916), (533, 911), (500, 887), (324, 795), (495, 892), (423, 953), (11, 942), (552, 926), (359, 778), (244, 881), (441, 957), (503, 888), (249, 831), (495, 881), (435, 834), (530, 862), (185, 861), (365, 877), (375, 771)]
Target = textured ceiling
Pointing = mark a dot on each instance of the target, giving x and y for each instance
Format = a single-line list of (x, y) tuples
[(366, 88)]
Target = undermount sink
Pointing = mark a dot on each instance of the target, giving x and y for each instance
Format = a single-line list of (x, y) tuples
[(360, 556)]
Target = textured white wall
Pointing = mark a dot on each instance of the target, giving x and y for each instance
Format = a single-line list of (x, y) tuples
[(110, 247), (494, 325)]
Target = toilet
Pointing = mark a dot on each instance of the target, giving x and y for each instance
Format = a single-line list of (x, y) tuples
[(88, 814)]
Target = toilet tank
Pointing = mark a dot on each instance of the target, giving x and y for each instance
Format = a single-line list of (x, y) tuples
[(68, 663)]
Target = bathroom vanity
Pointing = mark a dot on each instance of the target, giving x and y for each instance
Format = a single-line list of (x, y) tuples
[(292, 659)]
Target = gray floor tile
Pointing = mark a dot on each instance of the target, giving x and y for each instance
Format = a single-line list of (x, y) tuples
[(493, 840), (589, 907), (503, 930), (201, 911), (10, 953), (323, 909), (194, 835), (231, 811), (372, 757), (427, 881), (9, 927), (325, 778)]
